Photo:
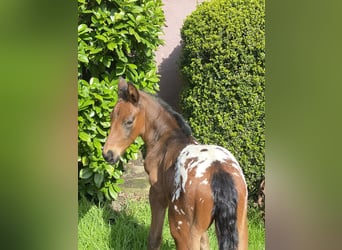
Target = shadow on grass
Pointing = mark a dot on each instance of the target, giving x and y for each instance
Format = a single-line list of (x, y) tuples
[(129, 232), (103, 228)]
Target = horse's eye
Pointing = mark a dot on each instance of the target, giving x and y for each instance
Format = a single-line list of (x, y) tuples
[(129, 122)]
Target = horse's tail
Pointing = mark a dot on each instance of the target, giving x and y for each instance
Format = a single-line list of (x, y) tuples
[(225, 210)]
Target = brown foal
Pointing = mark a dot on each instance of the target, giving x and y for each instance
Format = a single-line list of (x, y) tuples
[(198, 184)]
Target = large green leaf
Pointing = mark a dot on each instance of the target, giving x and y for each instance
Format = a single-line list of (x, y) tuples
[(82, 28), (85, 173), (84, 136), (98, 179), (111, 46), (83, 104), (113, 193), (83, 58)]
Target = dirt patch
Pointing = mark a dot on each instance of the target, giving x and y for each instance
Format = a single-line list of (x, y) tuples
[(136, 185)]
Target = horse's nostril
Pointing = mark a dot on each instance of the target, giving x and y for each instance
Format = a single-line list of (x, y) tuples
[(108, 156)]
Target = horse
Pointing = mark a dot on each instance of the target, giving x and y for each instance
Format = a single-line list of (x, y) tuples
[(198, 183)]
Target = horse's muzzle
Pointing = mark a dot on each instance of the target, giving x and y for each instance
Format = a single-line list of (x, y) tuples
[(110, 157)]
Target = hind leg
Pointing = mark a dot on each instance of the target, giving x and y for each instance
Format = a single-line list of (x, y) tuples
[(242, 222), (179, 228), (187, 237), (186, 240), (243, 232), (181, 231), (204, 242)]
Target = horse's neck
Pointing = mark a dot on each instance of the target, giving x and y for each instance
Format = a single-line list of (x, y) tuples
[(163, 138)]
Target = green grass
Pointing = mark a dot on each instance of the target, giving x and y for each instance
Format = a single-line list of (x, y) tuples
[(101, 228)]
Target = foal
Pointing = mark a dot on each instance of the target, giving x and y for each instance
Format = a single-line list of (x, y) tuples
[(197, 183)]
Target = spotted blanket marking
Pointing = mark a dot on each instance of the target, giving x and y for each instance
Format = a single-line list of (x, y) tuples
[(199, 157)]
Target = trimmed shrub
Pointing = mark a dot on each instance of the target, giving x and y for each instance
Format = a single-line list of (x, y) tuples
[(223, 63), (115, 38)]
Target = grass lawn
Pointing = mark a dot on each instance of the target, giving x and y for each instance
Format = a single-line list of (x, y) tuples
[(101, 228)]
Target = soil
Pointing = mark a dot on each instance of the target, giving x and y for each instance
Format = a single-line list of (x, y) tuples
[(136, 185)]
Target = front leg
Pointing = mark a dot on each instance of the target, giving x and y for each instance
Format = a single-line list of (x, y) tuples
[(158, 205)]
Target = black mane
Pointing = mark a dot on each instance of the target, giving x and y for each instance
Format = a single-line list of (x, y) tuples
[(178, 117)]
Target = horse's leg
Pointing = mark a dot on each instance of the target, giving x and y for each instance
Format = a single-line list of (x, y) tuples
[(242, 221), (195, 242), (186, 240), (186, 237), (179, 226), (158, 207), (243, 230), (243, 238), (204, 241)]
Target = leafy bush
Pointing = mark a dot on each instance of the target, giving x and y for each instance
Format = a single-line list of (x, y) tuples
[(115, 38), (223, 63)]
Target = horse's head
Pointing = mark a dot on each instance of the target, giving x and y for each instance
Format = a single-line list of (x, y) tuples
[(127, 122)]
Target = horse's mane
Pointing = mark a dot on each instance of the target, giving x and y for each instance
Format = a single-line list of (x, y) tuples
[(178, 117)]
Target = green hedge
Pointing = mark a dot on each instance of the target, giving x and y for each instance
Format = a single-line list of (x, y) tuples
[(115, 38), (223, 63)]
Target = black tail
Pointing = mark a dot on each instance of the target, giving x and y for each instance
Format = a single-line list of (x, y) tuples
[(224, 212)]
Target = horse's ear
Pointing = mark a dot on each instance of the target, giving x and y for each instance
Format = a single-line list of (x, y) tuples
[(133, 93), (128, 91)]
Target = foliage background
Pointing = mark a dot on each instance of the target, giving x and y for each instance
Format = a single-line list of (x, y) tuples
[(115, 38), (223, 63)]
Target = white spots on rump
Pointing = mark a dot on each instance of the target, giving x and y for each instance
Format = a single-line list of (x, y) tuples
[(204, 182), (199, 158), (178, 211), (179, 225)]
